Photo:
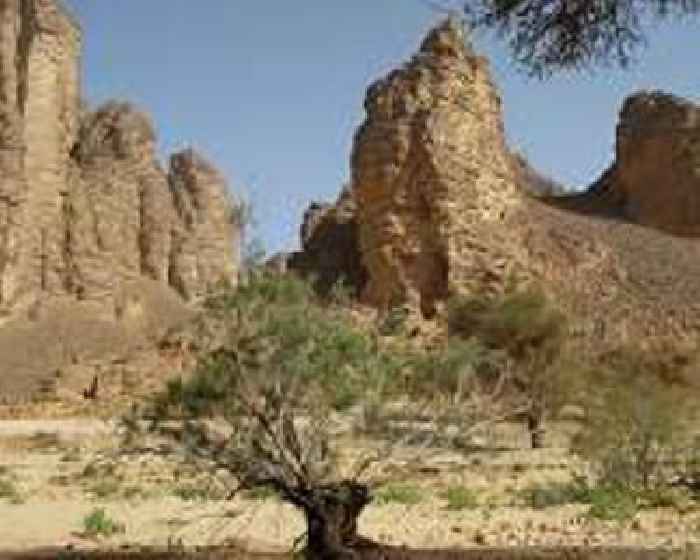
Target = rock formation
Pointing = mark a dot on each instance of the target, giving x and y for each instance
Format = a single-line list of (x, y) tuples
[(432, 177), (330, 246), (90, 223), (206, 236), (655, 179), (441, 206)]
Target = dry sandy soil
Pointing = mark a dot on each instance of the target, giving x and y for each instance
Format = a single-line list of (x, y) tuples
[(55, 473)]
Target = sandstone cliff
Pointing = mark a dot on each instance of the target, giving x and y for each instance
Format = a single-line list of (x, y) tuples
[(90, 222), (432, 177), (441, 206), (330, 246), (655, 179)]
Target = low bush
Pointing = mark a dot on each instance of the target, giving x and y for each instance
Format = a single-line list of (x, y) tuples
[(99, 524), (459, 498), (635, 423), (555, 494), (9, 491), (404, 494)]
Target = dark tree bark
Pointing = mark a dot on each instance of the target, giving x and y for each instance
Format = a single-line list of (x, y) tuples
[(534, 426), (331, 514)]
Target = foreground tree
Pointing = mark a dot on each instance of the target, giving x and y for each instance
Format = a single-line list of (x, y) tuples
[(278, 397)]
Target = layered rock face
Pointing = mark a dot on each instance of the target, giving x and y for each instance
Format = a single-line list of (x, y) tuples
[(206, 237), (90, 223), (330, 246), (657, 168), (432, 177), (442, 207), (39, 101), (655, 179)]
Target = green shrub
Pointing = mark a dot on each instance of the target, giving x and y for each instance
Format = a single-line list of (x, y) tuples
[(452, 370), (99, 524), (612, 503), (394, 322), (517, 322), (276, 327), (635, 423), (9, 492), (608, 502), (557, 494), (459, 497), (399, 494)]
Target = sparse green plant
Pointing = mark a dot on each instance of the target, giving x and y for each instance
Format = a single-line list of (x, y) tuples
[(532, 332), (394, 321), (635, 422), (404, 494), (612, 503), (280, 325), (9, 491), (460, 497), (455, 370), (98, 524), (543, 496)]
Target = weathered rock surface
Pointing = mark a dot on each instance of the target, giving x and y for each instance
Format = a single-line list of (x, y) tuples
[(87, 214), (204, 252), (432, 177), (442, 207), (330, 246), (655, 179)]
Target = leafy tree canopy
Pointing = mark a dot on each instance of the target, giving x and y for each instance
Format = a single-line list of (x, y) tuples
[(547, 36)]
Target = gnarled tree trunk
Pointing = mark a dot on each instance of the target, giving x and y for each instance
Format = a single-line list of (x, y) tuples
[(331, 514)]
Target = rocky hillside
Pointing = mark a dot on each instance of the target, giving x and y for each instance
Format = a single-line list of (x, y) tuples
[(442, 207), (90, 222)]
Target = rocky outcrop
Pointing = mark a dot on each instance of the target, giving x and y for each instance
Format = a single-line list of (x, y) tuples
[(657, 166), (85, 205), (90, 223), (442, 207), (330, 246), (432, 177), (655, 179), (118, 215), (206, 236)]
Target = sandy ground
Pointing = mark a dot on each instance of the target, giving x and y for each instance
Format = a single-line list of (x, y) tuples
[(60, 473)]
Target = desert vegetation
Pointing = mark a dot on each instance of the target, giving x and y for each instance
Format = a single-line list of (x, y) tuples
[(291, 398)]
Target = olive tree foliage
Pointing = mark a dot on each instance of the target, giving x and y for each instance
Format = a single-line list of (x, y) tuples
[(283, 385), (547, 36)]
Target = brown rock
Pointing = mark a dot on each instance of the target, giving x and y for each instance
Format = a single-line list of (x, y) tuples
[(432, 177), (87, 212), (440, 211), (330, 246), (205, 250)]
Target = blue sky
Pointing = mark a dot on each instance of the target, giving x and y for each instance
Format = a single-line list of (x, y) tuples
[(272, 90)]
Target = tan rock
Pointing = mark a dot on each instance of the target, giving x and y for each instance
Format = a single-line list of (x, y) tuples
[(444, 208), (205, 251), (330, 251), (432, 177), (87, 212)]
